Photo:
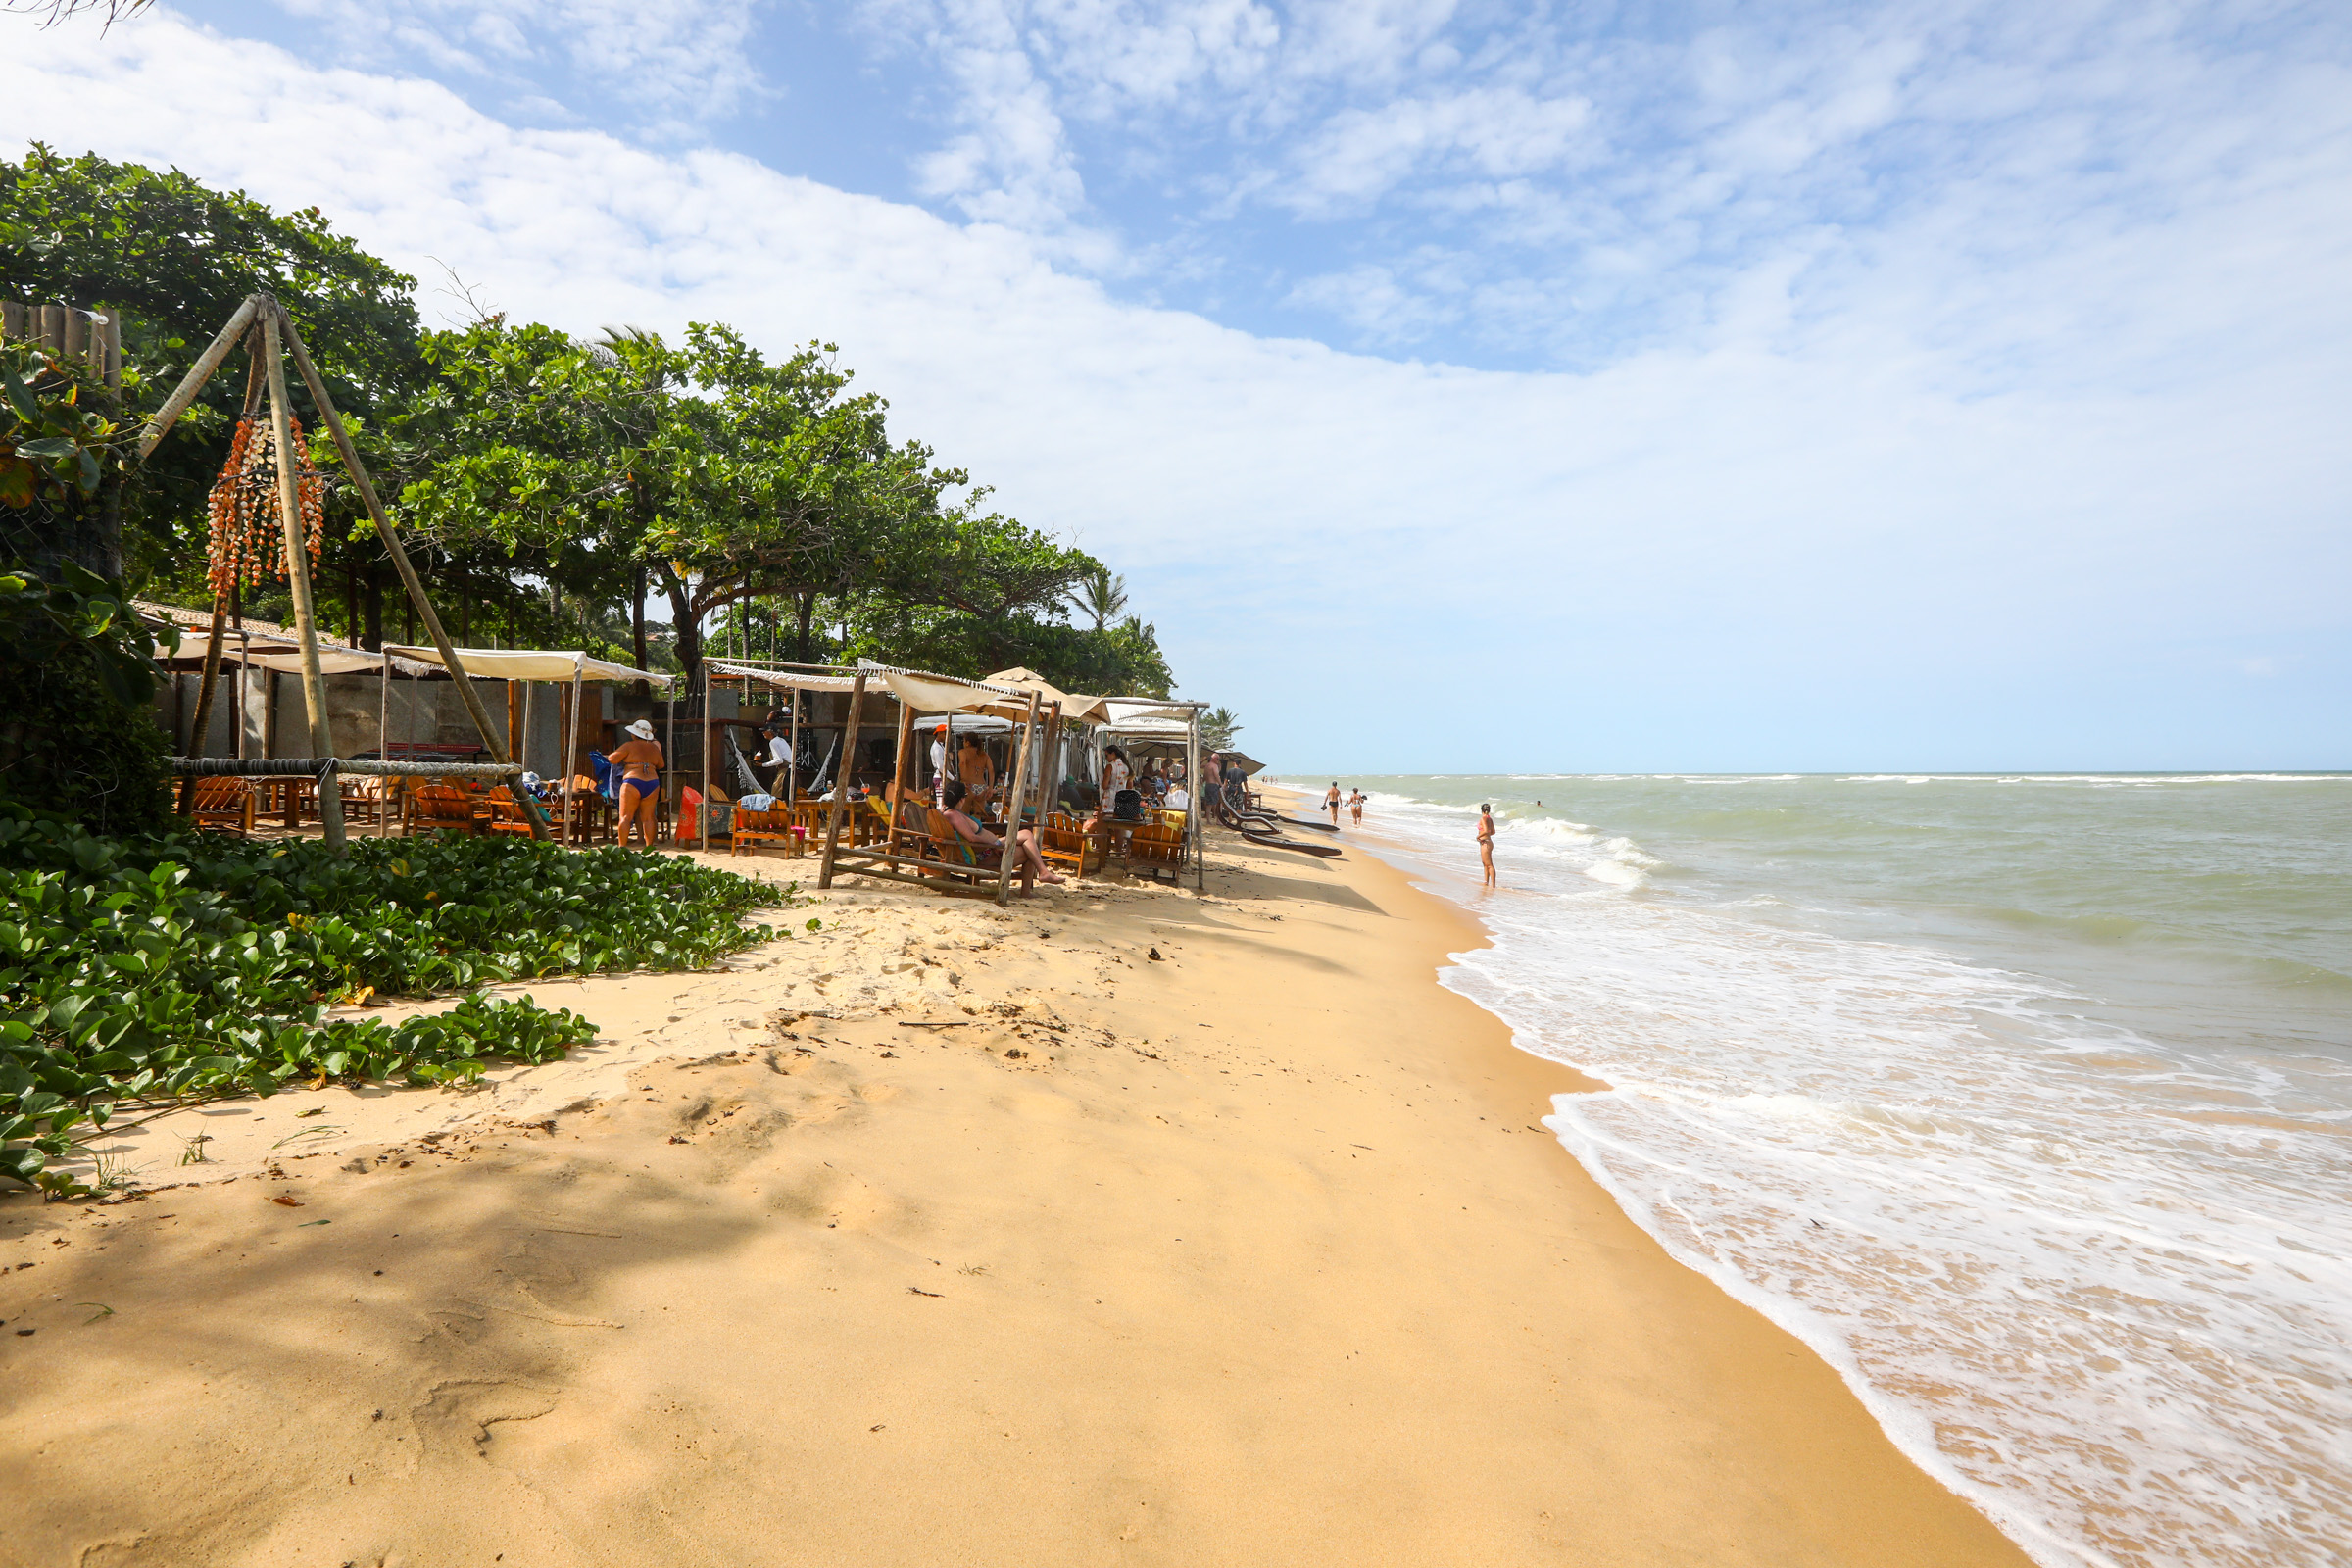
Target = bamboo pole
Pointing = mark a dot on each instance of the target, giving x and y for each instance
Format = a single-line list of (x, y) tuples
[(669, 761), (408, 574), (198, 373), (297, 577), (841, 780), (1010, 849), (792, 762)]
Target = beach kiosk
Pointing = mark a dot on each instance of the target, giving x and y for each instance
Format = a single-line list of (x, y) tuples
[(529, 668)]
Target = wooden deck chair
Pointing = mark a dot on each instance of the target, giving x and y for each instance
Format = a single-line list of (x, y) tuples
[(754, 828), (225, 805), (507, 816), (437, 808), (1064, 841), (1157, 844)]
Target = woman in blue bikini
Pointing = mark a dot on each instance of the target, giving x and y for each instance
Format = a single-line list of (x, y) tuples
[(639, 760)]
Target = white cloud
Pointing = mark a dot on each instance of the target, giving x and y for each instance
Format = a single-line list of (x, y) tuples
[(1359, 155), (1920, 485), (682, 60)]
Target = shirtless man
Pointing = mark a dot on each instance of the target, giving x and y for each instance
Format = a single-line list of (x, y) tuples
[(1331, 801), (1485, 842), (1032, 864), (640, 762), (975, 772)]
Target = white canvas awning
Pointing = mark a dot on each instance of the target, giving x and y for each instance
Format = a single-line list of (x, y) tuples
[(794, 680), (534, 663), (1119, 712), (1149, 729), (283, 656), (1074, 705)]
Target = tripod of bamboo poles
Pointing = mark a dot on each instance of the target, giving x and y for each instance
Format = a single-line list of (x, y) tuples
[(269, 332)]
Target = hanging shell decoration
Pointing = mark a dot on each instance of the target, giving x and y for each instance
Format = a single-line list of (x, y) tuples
[(248, 542)]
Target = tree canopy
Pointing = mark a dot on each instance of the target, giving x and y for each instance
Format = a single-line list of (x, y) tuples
[(554, 486)]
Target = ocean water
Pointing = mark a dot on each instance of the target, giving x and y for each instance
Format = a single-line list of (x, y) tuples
[(2025, 1100)]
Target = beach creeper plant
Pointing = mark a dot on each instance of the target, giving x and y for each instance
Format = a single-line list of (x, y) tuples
[(141, 973)]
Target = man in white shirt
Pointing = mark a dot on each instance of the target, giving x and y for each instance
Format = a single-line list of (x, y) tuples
[(939, 762)]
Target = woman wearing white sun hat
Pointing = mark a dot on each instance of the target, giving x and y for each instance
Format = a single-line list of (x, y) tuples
[(640, 762)]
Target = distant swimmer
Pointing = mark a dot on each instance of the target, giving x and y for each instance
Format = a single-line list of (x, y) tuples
[(1331, 801), (1355, 806), (1485, 841)]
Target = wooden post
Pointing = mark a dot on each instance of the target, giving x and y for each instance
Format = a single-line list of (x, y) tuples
[(702, 826), (897, 772), (198, 373), (513, 723), (408, 574), (572, 831), (204, 697), (244, 679), (1011, 847), (841, 780), (792, 763), (297, 577), (113, 352), (1194, 828), (669, 758), (384, 786)]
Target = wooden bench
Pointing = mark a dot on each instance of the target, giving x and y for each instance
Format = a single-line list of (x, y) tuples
[(754, 828)]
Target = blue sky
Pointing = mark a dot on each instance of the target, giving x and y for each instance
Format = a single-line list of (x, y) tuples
[(1462, 386)]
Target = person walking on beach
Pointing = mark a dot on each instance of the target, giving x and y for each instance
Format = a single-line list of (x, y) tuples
[(1331, 801), (1485, 842), (1355, 806)]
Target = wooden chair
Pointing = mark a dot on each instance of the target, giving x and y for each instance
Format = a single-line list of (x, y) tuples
[(753, 828), (1157, 844), (225, 805), (439, 809), (1065, 842), (507, 816)]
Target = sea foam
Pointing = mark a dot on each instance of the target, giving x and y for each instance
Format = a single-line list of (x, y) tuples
[(2095, 1282)]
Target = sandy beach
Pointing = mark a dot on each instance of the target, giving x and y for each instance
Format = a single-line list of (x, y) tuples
[(1127, 1225)]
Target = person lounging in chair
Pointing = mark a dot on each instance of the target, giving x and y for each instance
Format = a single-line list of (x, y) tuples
[(1032, 864)]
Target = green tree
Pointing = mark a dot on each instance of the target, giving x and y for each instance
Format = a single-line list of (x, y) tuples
[(171, 258), (1101, 593)]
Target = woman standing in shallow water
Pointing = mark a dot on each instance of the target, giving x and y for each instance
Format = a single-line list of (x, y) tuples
[(1485, 842)]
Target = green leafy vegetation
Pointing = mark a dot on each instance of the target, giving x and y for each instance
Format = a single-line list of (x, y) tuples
[(76, 732), (141, 973)]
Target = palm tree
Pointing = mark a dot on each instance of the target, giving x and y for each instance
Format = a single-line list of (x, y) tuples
[(1218, 727), (1103, 594)]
